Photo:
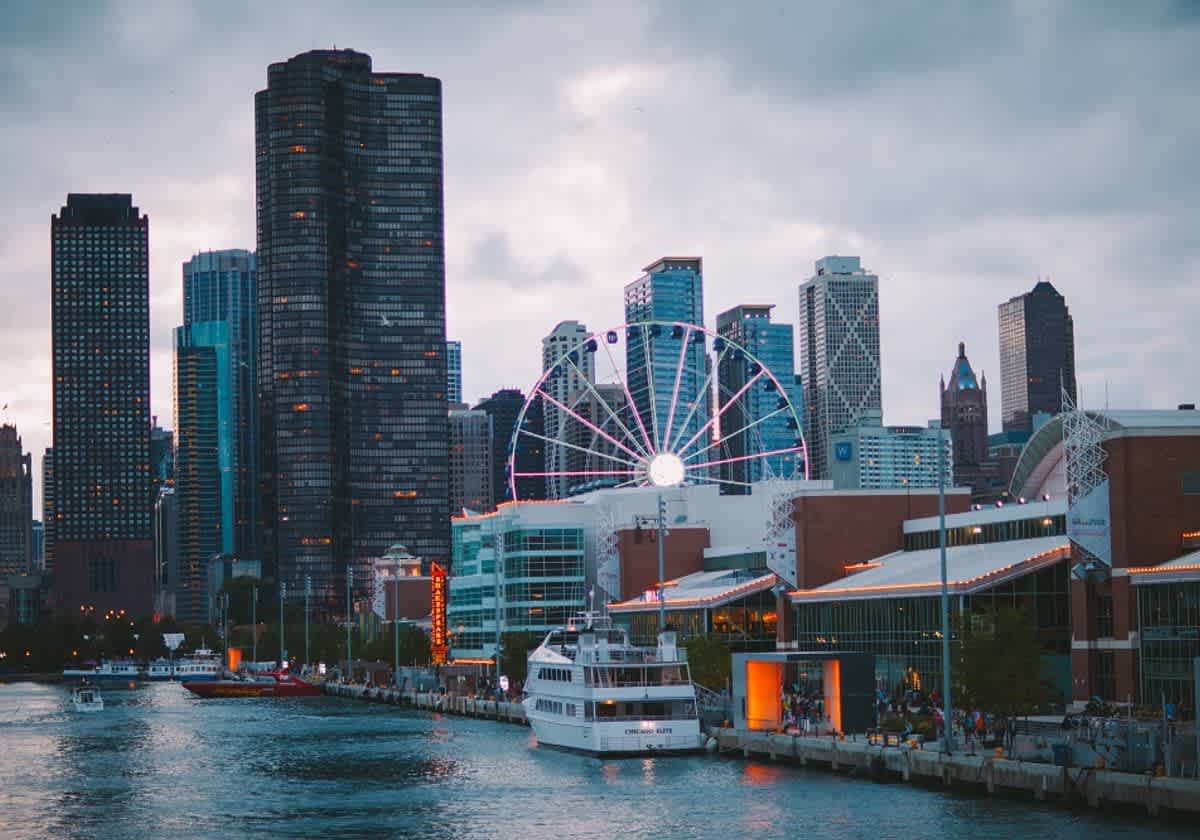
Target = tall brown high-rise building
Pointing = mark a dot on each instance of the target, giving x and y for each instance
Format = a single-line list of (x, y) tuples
[(100, 312), (1037, 356)]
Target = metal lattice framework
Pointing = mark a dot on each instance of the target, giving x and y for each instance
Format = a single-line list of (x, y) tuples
[(647, 415), (608, 559), (781, 530), (1083, 448)]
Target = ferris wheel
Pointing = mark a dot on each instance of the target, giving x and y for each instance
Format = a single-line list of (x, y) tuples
[(655, 403)]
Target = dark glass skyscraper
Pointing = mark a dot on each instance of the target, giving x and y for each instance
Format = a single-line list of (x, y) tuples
[(218, 287), (1037, 356), (351, 319), (16, 506), (100, 313), (504, 406)]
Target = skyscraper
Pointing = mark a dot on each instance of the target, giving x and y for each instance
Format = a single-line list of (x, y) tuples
[(839, 353), (49, 519), (219, 287), (768, 426), (351, 319), (1037, 356), (454, 371), (566, 384), (504, 407), (16, 507), (670, 289), (205, 479), (100, 314), (470, 460), (964, 413)]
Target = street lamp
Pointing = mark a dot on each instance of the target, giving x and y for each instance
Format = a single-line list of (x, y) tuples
[(947, 706), (282, 598)]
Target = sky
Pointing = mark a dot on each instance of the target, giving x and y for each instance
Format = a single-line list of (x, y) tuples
[(963, 150)]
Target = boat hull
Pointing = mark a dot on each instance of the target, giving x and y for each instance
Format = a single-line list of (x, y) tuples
[(240, 688), (619, 738)]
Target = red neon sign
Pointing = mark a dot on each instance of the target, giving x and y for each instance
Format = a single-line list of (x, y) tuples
[(437, 597)]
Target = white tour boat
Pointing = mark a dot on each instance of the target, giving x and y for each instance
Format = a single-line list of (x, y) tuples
[(159, 670), (203, 665), (589, 689), (108, 671), (86, 698)]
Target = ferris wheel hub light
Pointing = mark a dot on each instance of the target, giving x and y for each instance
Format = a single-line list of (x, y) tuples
[(665, 470)]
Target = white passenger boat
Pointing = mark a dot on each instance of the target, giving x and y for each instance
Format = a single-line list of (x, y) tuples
[(203, 665), (107, 670), (159, 670), (86, 698), (589, 689)]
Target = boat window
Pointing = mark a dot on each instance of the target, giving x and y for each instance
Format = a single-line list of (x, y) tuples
[(606, 709)]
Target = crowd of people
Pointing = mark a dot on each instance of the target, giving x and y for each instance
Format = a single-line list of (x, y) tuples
[(803, 712)]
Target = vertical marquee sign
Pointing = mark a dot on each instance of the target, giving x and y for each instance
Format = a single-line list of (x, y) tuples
[(437, 599)]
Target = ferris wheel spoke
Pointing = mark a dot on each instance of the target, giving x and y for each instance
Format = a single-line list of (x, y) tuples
[(743, 458), (683, 346), (630, 435), (722, 410), (587, 423), (550, 473), (650, 385), (745, 428), (629, 483), (633, 405), (699, 396), (719, 480), (578, 448)]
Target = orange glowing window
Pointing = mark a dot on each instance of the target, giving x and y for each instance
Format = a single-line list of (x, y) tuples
[(431, 354), (299, 214), (300, 407), (355, 371), (395, 371), (299, 149), (405, 494)]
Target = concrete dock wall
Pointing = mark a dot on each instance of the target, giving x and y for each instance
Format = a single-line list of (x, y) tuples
[(502, 711), (982, 773)]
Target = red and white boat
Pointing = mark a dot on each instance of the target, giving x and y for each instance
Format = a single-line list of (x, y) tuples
[(274, 684)]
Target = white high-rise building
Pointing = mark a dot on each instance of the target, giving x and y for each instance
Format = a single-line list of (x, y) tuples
[(566, 385), (839, 352)]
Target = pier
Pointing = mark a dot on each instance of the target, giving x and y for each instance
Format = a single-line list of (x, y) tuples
[(990, 774), (433, 701)]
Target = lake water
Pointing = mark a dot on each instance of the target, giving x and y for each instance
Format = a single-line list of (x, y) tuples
[(159, 763)]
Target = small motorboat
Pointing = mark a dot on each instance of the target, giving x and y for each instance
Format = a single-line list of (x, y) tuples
[(86, 698), (273, 684)]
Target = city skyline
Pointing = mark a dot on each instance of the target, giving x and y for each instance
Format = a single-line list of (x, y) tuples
[(969, 230)]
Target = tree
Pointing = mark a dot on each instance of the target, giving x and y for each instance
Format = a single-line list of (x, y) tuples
[(999, 663), (514, 654), (710, 661)]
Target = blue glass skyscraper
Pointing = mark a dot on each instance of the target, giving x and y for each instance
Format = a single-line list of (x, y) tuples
[(454, 372), (204, 460), (219, 287), (758, 421), (671, 289)]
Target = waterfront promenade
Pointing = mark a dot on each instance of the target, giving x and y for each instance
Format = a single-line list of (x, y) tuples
[(989, 774), (433, 701)]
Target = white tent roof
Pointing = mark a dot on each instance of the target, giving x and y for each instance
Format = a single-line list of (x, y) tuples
[(970, 568)]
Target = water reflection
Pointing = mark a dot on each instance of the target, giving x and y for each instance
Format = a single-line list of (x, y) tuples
[(164, 763)]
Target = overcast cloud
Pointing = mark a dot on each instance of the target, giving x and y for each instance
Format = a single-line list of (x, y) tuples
[(962, 149)]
